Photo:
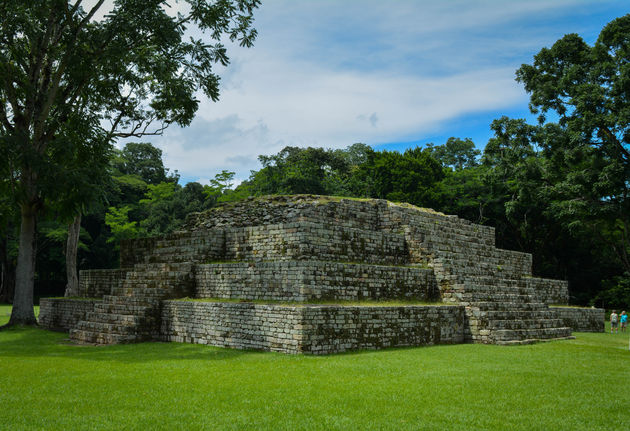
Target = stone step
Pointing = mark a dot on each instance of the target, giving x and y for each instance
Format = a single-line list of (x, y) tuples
[(516, 314), (148, 293), (517, 336), (478, 271), (175, 256), (107, 328), (525, 324), (479, 297), (120, 319), (507, 287), (159, 271), (454, 243), (130, 300), (177, 249), (140, 289), (497, 279), (509, 314), (503, 335), (161, 266), (496, 262), (503, 306), (119, 308), (163, 269), (532, 341), (484, 290), (486, 301), (93, 337), (152, 280)]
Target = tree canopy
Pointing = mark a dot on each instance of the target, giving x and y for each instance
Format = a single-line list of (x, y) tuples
[(588, 89), (71, 83)]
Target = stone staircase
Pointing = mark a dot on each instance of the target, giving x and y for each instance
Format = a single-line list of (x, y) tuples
[(500, 308), (131, 312), (492, 284)]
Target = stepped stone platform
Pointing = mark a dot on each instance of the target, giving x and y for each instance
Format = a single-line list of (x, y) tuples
[(315, 274)]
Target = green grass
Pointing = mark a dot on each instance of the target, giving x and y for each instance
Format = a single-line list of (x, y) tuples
[(46, 384), (5, 314)]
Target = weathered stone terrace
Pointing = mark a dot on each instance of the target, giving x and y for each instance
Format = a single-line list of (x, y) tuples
[(312, 248)]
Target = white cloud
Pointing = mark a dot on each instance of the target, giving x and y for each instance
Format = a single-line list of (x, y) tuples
[(331, 73), (328, 109)]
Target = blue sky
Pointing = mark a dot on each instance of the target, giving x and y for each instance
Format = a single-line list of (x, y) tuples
[(391, 74)]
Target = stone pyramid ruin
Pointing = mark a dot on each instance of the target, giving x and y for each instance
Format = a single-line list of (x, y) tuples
[(315, 274)]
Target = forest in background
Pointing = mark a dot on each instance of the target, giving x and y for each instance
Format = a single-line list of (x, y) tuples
[(557, 189), (501, 187)]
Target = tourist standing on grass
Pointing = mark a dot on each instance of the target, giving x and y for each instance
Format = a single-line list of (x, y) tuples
[(614, 323), (623, 320)]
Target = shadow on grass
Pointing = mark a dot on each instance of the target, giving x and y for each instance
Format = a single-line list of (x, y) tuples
[(29, 342), (33, 343)]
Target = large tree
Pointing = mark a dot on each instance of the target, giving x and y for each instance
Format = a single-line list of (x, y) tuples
[(587, 88), (301, 170), (142, 159), (455, 153), (408, 177), (64, 69)]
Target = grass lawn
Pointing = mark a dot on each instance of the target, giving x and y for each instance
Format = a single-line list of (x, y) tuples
[(46, 384)]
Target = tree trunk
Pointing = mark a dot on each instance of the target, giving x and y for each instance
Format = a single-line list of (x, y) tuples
[(72, 288), (22, 313), (7, 274)]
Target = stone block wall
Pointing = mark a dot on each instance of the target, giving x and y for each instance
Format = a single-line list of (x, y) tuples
[(174, 248), (236, 325), (550, 291), (462, 248), (201, 246), (94, 283), (396, 217), (157, 281), (314, 329), (464, 255), (454, 246), (304, 226), (581, 319), (464, 261), (134, 251), (306, 240), (63, 313), (334, 329), (285, 241), (330, 212), (313, 280), (348, 213)]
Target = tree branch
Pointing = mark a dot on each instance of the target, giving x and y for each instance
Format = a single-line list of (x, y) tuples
[(54, 88), (69, 13), (12, 98), (138, 130), (35, 73), (4, 118), (605, 131)]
